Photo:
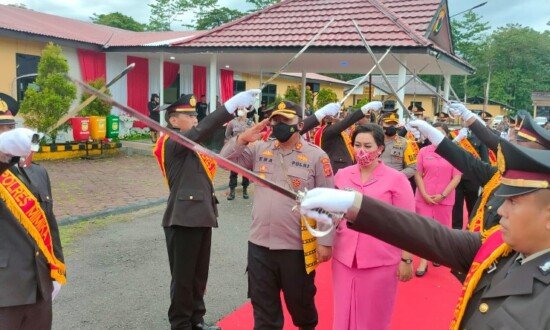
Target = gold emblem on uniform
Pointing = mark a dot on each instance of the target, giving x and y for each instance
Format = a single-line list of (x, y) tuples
[(298, 146), (302, 158), (263, 168), (483, 308), (281, 106), (262, 175), (267, 153), (3, 106), (192, 101), (501, 163)]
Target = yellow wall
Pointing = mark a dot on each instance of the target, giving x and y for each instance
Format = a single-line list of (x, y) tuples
[(253, 81), (8, 48), (493, 109)]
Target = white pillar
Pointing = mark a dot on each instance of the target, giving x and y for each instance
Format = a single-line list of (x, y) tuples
[(186, 79), (213, 81), (161, 88), (401, 79), (446, 85), (303, 103)]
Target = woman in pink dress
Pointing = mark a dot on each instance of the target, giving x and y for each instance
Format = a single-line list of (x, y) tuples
[(365, 270), (436, 181)]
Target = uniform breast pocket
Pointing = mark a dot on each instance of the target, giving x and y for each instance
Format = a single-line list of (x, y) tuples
[(299, 178), (191, 195), (45, 201)]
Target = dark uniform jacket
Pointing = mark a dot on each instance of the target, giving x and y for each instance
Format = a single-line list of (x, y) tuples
[(519, 300), (478, 172), (191, 202), (24, 271), (332, 141)]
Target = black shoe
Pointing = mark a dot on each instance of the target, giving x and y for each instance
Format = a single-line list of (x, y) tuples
[(231, 195), (420, 273), (436, 264), (245, 193), (204, 326)]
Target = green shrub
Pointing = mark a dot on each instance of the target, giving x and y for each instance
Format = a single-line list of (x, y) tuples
[(97, 107)]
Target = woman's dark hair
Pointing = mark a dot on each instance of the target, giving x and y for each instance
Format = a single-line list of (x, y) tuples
[(376, 131), (153, 96), (444, 126)]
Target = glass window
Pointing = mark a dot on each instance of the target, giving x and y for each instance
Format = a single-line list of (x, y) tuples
[(269, 94), (171, 92), (238, 86), (27, 68)]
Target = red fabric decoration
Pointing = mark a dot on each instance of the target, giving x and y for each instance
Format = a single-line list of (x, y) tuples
[(92, 64), (226, 80), (171, 71), (199, 81), (138, 84)]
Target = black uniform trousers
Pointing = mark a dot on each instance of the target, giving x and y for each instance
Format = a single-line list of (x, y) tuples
[(233, 178), (468, 191), (37, 316), (189, 257), (269, 272)]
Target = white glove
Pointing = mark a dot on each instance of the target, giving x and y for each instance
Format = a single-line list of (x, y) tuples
[(56, 289), (458, 109), (16, 142), (427, 130), (461, 135), (330, 109), (327, 199), (242, 100), (414, 131), (375, 106)]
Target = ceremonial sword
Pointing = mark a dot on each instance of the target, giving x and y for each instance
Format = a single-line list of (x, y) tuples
[(192, 145), (405, 109), (89, 100)]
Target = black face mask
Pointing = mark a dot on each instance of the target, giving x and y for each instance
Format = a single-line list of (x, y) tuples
[(390, 131), (283, 132)]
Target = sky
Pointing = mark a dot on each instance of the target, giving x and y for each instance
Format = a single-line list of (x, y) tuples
[(532, 13)]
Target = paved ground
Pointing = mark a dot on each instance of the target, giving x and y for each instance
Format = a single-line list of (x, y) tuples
[(82, 188), (118, 274)]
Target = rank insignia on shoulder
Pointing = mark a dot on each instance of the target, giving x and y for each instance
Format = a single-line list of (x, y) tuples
[(327, 168), (545, 268)]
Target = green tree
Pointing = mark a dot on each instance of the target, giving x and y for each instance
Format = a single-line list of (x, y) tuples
[(517, 57), (118, 20), (42, 108), (260, 4), (216, 17), (294, 94), (97, 107), (326, 96), (161, 15)]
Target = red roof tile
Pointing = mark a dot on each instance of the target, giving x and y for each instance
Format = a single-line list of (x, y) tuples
[(293, 23), (29, 21)]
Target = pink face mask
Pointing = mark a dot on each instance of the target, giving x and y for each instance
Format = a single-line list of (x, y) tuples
[(365, 158)]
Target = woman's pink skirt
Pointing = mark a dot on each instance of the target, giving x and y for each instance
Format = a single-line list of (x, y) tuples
[(442, 213), (363, 298)]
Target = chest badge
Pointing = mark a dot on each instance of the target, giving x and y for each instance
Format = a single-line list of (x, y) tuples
[(545, 268)]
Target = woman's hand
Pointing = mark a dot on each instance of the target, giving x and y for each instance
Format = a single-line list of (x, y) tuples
[(438, 198), (324, 253), (428, 199), (404, 271)]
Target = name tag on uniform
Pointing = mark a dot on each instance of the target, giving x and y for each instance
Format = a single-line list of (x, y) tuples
[(397, 152)]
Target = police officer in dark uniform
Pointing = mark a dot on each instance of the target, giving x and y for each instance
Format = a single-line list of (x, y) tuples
[(191, 210), (508, 280), (332, 137), (31, 262)]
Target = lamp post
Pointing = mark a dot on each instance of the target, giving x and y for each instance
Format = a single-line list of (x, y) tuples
[(474, 7)]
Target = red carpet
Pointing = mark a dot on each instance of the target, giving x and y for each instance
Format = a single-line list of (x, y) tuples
[(422, 303)]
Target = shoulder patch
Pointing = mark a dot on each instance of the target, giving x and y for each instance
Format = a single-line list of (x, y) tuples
[(327, 168), (545, 268)]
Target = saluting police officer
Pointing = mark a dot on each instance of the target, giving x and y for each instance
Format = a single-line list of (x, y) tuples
[(191, 211), (508, 280), (31, 257), (276, 256)]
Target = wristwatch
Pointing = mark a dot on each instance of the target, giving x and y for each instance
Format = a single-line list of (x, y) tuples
[(407, 261)]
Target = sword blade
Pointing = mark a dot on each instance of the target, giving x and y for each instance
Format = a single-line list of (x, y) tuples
[(390, 87), (364, 77), (71, 113), (276, 74), (186, 142)]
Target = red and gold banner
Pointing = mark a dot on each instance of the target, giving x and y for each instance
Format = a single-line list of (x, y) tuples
[(492, 158), (411, 153), (27, 210), (318, 140), (466, 145), (493, 248), (208, 163), (476, 224)]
